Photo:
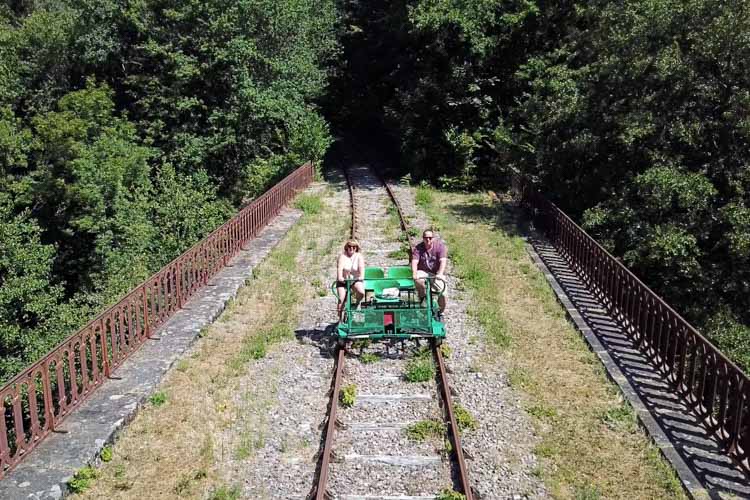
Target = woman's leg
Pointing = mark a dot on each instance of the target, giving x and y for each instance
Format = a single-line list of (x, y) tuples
[(359, 290), (342, 297)]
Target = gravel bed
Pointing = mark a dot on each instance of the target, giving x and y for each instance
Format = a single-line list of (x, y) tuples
[(400, 411), (383, 396), (386, 443), (356, 478), (499, 451), (284, 396)]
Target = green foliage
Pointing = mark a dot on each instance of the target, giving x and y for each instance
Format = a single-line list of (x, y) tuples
[(106, 454), (223, 492), (348, 395), (423, 196), (28, 295), (369, 357), (425, 429), (450, 495), (309, 204), (129, 131), (446, 351), (464, 418), (620, 418), (629, 115), (82, 479), (420, 369), (587, 492), (158, 398)]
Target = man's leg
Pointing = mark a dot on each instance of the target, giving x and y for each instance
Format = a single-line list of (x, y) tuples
[(441, 303), (441, 287), (420, 285)]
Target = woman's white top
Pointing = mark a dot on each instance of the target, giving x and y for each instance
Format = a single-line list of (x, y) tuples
[(352, 265)]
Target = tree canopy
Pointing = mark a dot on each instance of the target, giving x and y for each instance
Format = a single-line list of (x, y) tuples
[(632, 116), (129, 130)]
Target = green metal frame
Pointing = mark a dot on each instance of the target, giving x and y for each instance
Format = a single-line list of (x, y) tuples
[(383, 317)]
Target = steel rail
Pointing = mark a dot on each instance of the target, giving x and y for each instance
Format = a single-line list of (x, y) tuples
[(455, 432), (402, 219), (321, 488), (353, 203)]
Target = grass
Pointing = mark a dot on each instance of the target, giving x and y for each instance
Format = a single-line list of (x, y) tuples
[(82, 479), (226, 493), (106, 454), (158, 398), (420, 369), (423, 196), (450, 495), (424, 430), (310, 204), (221, 393), (369, 357), (589, 445), (348, 395), (464, 418), (446, 351)]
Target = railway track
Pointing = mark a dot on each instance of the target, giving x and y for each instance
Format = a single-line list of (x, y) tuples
[(368, 453)]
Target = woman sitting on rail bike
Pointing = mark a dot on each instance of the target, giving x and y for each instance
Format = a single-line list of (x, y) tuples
[(351, 265)]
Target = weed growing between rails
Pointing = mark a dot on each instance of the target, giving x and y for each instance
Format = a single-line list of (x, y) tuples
[(589, 446), (177, 448)]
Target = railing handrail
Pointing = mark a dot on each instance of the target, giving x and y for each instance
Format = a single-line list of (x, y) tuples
[(698, 372), (164, 268), (80, 363), (656, 296)]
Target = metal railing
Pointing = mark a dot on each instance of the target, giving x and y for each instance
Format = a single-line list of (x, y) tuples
[(37, 400), (696, 370)]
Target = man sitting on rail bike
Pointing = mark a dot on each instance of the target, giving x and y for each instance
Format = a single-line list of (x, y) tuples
[(429, 260)]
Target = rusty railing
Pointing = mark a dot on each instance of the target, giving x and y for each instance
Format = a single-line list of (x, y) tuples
[(37, 400), (697, 371)]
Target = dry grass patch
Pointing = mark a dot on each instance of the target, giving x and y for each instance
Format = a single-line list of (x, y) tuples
[(590, 446), (173, 449)]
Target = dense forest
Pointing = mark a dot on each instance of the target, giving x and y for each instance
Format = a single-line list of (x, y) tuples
[(633, 116), (130, 129)]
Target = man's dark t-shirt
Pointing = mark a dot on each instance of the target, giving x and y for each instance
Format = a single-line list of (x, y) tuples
[(429, 261)]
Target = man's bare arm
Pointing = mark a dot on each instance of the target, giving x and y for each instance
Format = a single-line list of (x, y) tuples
[(443, 263)]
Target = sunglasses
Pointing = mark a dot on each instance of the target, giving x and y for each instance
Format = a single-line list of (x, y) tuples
[(427, 237), (351, 246)]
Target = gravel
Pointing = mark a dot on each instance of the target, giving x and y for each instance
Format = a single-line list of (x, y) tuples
[(500, 458), (286, 397)]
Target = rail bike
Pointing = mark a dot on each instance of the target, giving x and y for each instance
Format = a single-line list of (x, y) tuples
[(391, 308)]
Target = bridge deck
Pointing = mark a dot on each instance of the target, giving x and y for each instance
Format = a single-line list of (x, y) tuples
[(82, 436)]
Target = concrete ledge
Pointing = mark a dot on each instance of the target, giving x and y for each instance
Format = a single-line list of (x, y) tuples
[(98, 421), (689, 481)]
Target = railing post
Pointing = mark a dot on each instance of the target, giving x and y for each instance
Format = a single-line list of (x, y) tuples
[(178, 280)]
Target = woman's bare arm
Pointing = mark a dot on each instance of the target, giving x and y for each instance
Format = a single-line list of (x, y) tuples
[(340, 269)]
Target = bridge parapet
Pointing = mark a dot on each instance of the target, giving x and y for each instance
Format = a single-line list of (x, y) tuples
[(698, 372), (37, 400)]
